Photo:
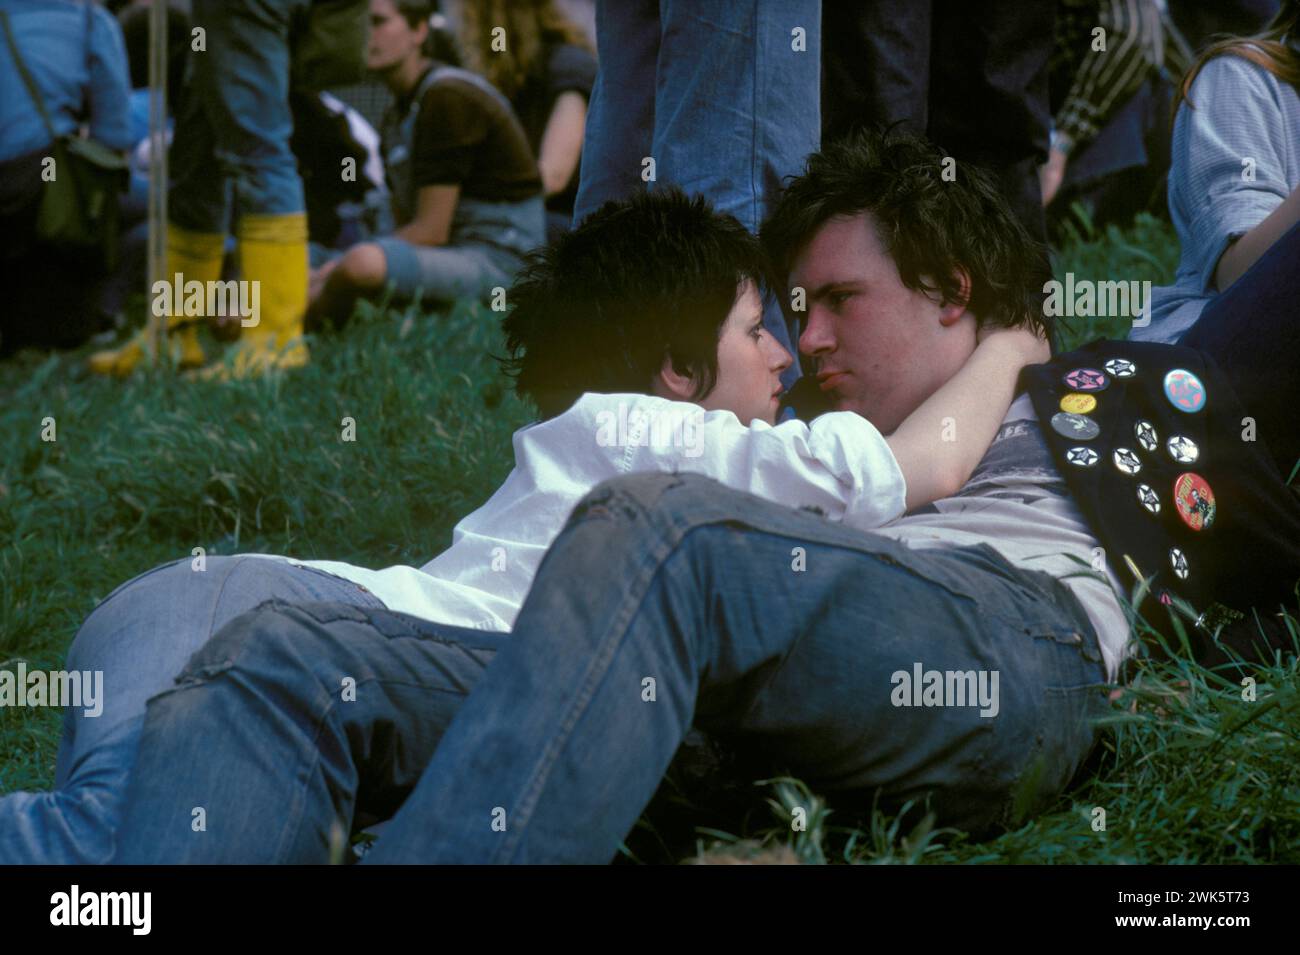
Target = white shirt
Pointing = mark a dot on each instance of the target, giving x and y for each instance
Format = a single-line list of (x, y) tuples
[(840, 463)]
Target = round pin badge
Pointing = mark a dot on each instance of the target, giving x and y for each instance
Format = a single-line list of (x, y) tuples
[(1077, 427), (1145, 432), (1121, 368), (1194, 501), (1184, 391), (1178, 561), (1127, 461), (1086, 379), (1183, 450), (1082, 457), (1078, 403), (1148, 498)]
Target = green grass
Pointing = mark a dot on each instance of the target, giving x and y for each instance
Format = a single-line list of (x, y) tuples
[(146, 470)]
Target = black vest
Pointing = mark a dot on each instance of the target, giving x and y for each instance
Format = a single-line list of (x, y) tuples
[(1189, 507)]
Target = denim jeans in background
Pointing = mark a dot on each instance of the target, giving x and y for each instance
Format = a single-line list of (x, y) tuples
[(140, 636), (233, 122), (545, 745), (717, 95)]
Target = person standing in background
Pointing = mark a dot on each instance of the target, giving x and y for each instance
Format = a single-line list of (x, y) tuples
[(971, 75), (1114, 68), (231, 154), (74, 53), (720, 98)]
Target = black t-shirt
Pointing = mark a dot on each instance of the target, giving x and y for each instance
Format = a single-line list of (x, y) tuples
[(465, 136), (566, 68)]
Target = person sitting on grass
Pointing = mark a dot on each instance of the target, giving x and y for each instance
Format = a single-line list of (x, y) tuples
[(466, 192), (1234, 197), (1234, 179), (548, 70), (640, 337)]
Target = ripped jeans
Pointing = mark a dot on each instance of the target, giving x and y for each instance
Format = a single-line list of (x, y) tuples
[(666, 600)]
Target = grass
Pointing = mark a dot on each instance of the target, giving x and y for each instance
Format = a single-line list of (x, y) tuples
[(144, 471)]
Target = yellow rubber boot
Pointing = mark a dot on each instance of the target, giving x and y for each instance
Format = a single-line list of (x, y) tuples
[(195, 256), (273, 255)]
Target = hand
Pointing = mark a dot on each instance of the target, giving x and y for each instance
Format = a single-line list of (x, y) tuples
[(1051, 174), (316, 281)]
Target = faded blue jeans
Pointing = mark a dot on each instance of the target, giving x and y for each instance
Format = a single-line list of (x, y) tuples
[(723, 95), (233, 123), (140, 636), (666, 600)]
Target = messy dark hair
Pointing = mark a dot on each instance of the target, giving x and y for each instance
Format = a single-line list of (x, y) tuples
[(929, 225), (640, 279)]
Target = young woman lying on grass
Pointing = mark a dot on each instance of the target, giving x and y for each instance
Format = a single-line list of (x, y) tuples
[(640, 337)]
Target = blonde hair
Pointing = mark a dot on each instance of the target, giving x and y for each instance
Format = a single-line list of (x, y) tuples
[(530, 27), (1268, 49)]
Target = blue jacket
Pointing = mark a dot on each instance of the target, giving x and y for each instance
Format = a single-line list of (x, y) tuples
[(81, 75)]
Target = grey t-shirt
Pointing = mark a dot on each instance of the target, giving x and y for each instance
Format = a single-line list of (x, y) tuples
[(1017, 502)]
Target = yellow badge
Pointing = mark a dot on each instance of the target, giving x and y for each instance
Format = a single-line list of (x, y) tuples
[(1077, 403)]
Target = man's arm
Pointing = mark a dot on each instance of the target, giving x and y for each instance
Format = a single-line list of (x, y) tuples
[(937, 455)]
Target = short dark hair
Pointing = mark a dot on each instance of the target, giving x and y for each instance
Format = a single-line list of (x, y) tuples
[(415, 12), (928, 225), (638, 280)]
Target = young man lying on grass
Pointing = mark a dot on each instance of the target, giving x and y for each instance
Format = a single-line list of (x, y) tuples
[(640, 337)]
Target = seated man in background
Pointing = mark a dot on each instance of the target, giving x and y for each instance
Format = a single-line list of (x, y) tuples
[(466, 193)]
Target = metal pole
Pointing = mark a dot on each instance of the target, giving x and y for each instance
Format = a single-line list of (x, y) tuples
[(157, 160)]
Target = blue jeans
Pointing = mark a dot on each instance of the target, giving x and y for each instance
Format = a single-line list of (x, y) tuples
[(488, 243), (666, 600), (445, 273), (140, 636), (234, 123), (715, 93)]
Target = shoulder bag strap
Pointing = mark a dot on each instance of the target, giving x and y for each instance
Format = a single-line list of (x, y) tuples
[(27, 77)]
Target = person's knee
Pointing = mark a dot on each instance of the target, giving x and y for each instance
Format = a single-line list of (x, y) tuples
[(363, 267)]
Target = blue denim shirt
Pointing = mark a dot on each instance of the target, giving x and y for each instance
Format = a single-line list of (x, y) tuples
[(74, 80)]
